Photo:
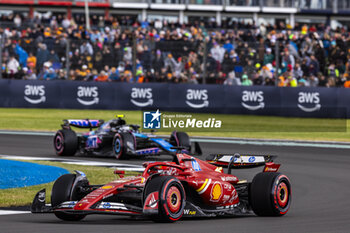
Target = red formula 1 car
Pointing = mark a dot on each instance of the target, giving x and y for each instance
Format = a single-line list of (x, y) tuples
[(169, 191)]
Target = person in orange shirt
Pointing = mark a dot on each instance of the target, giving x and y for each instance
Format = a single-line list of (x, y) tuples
[(31, 62), (103, 77), (347, 83), (281, 81)]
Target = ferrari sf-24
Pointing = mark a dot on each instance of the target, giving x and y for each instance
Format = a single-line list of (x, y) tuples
[(170, 191)]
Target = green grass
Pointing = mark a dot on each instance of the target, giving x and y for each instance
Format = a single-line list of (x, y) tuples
[(24, 196), (243, 126)]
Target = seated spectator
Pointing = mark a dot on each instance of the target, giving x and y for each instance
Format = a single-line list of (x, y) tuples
[(84, 73), (246, 81), (291, 81), (232, 80), (28, 74), (50, 75), (12, 67), (114, 75), (31, 62), (102, 77), (347, 83)]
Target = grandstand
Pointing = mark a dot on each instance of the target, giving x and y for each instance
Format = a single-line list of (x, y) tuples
[(233, 42)]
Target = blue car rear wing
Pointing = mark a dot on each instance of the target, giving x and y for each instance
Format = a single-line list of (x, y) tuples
[(80, 123)]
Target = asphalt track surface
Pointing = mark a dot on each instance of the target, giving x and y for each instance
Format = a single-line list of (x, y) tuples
[(320, 186)]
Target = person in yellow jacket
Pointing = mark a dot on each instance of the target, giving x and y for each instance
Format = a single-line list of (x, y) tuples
[(291, 82)]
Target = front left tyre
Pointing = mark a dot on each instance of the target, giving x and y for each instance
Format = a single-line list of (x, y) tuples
[(65, 142), (65, 189), (270, 194)]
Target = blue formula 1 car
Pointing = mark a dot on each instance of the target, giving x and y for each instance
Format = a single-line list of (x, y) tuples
[(117, 138)]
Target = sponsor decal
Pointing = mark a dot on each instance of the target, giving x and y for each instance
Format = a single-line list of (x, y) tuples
[(41, 197), (195, 165), (216, 191), (152, 203), (253, 100), (87, 95), (130, 145), (151, 120), (106, 205), (34, 94), (234, 196), (228, 187), (228, 178), (219, 169), (107, 187), (141, 97), (225, 198), (92, 142), (84, 123), (112, 205), (270, 169), (190, 212), (309, 101), (148, 151), (204, 186), (251, 159), (197, 98), (68, 204)]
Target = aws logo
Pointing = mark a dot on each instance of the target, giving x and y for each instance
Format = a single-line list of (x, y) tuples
[(87, 95), (309, 101), (34, 94), (197, 98), (253, 100), (141, 97)]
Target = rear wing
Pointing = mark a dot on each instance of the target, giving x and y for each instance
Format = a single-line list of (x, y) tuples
[(90, 124), (243, 161)]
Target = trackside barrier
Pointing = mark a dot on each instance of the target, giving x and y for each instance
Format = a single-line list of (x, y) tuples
[(255, 100)]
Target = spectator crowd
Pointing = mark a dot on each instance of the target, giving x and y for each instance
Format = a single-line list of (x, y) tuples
[(121, 49)]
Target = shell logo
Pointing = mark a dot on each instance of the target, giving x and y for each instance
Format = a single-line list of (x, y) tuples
[(107, 187), (216, 191)]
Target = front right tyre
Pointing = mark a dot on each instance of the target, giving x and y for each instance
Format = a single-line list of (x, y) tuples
[(121, 143), (172, 198)]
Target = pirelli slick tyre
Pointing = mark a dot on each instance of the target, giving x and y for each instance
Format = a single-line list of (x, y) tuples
[(65, 189), (65, 142), (172, 198), (270, 194), (180, 139), (121, 142)]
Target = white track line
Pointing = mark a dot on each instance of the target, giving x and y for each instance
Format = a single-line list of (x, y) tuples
[(120, 166), (227, 140), (10, 212)]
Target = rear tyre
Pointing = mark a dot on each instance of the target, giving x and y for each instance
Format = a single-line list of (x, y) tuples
[(65, 189), (270, 194), (121, 143), (65, 142), (180, 139), (172, 198)]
